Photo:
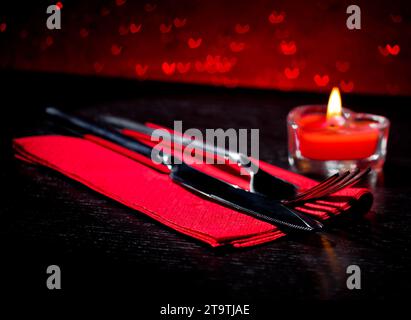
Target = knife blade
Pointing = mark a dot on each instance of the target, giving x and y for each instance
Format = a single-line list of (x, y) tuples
[(256, 205)]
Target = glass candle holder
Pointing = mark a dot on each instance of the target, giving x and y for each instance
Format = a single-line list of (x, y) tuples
[(318, 147)]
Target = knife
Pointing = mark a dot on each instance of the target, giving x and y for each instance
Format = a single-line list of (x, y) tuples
[(256, 205)]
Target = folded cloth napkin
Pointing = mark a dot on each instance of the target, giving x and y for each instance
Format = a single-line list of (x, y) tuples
[(123, 176)]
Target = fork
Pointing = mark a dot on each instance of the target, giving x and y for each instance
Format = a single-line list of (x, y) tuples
[(261, 181), (329, 186), (264, 183)]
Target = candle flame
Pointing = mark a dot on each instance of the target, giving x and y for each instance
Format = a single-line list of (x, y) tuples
[(334, 107)]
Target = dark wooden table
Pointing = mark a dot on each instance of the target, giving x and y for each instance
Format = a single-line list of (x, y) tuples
[(104, 247)]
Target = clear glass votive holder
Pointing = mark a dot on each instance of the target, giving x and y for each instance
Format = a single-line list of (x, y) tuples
[(315, 147)]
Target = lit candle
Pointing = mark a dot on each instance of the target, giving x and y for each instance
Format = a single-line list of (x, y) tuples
[(332, 138)]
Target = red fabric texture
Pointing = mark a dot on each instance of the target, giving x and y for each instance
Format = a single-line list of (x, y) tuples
[(119, 174)]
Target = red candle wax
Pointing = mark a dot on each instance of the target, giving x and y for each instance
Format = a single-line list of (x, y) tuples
[(320, 141)]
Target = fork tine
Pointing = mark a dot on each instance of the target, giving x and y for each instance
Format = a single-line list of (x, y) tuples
[(331, 189), (327, 181), (340, 185), (350, 182), (326, 186), (358, 178)]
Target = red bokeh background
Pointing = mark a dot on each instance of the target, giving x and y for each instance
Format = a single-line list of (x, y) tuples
[(286, 45)]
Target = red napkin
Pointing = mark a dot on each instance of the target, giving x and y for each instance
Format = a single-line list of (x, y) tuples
[(124, 178)]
